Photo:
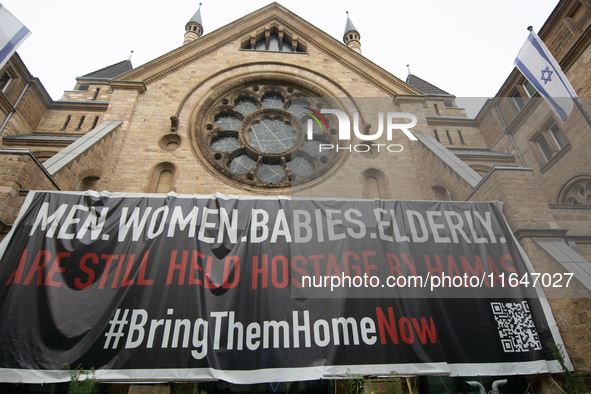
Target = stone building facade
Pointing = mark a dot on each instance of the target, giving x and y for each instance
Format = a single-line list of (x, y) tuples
[(156, 129)]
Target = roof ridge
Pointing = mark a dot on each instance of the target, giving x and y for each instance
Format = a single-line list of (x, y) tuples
[(427, 87), (101, 73)]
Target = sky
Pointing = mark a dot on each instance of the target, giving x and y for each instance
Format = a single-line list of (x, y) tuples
[(465, 47)]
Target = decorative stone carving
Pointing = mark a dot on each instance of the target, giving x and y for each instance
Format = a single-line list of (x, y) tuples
[(174, 124)]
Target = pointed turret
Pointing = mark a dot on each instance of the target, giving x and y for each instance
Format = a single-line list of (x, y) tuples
[(352, 36), (193, 28)]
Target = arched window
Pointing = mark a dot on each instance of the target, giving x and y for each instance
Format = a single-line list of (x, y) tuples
[(80, 123), (88, 179), (88, 183), (162, 178), (449, 137), (66, 122), (274, 39), (441, 194), (164, 182), (374, 184), (372, 188)]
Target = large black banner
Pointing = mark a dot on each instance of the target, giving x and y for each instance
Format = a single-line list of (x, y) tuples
[(170, 287)]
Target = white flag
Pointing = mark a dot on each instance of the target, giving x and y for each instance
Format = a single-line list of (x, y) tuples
[(539, 66), (12, 34)]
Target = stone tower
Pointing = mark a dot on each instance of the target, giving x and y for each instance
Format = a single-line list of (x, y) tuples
[(352, 36), (193, 28)]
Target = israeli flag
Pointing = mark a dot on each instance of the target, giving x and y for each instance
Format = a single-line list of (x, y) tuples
[(539, 66), (12, 34)]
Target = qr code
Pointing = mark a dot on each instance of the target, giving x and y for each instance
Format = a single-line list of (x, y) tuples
[(516, 326)]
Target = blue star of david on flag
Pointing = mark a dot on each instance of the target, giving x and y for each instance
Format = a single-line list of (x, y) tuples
[(534, 58), (547, 79)]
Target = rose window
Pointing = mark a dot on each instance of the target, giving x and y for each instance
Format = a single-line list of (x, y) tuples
[(579, 193), (258, 135)]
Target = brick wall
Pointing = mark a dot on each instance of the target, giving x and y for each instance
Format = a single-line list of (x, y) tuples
[(491, 127), (471, 137), (19, 171), (28, 113), (433, 171), (31, 109), (88, 94), (96, 162), (524, 203), (576, 220), (54, 120)]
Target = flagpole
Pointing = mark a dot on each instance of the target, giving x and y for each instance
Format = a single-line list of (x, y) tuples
[(582, 109), (576, 99)]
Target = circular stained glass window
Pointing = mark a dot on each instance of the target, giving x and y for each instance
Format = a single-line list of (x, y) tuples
[(272, 100), (271, 136), (225, 144), (227, 122), (245, 106), (267, 135), (241, 164)]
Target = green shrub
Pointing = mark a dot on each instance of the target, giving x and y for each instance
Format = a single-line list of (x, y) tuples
[(78, 386)]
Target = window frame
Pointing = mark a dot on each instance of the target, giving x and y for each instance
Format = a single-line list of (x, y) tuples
[(527, 86), (6, 84), (553, 150), (544, 147), (554, 130), (517, 98)]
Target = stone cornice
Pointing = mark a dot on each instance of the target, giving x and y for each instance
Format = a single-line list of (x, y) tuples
[(407, 98), (80, 105), (579, 239), (471, 155), (450, 121), (521, 233), (139, 86), (569, 206), (252, 23)]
